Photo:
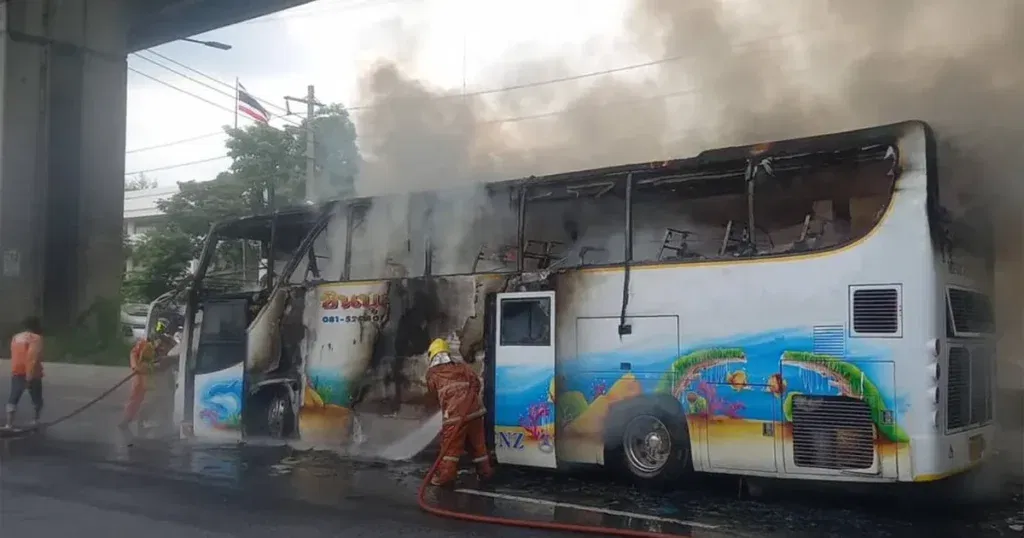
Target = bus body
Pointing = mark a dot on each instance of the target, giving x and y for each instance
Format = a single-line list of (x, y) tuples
[(801, 309)]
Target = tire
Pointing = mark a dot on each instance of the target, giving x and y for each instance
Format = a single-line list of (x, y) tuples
[(279, 422), (651, 444)]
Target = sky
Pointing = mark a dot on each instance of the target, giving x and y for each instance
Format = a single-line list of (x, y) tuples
[(329, 43)]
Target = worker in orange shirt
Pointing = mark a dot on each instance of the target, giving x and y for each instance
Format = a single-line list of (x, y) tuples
[(457, 389), (26, 369), (145, 359)]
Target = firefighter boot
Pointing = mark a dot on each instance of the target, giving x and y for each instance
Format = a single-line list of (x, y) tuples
[(484, 470), (446, 472)]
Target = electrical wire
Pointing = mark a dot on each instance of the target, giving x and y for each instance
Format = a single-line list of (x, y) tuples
[(230, 94), (204, 75), (177, 165), (174, 142), (182, 90)]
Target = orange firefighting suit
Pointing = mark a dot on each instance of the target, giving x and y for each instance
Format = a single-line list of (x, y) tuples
[(143, 363), (457, 389)]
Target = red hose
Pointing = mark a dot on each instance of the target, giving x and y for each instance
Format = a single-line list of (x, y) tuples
[(509, 522)]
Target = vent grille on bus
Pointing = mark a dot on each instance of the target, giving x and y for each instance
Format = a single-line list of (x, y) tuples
[(969, 398), (830, 340), (876, 311), (832, 432), (958, 388), (971, 311)]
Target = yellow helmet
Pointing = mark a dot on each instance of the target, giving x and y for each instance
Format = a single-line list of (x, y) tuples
[(437, 346)]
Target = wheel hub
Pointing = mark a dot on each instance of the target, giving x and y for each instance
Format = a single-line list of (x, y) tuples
[(647, 444)]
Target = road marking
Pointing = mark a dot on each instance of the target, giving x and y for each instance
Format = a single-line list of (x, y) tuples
[(608, 511)]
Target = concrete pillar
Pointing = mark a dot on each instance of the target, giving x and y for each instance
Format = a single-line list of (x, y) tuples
[(62, 112)]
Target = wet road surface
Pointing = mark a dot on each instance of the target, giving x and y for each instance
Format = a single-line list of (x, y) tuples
[(82, 478)]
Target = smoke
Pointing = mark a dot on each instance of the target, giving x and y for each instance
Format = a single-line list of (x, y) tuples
[(750, 71)]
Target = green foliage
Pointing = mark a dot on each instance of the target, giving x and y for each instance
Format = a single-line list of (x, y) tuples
[(682, 366), (337, 157), (162, 257), (95, 337), (857, 385)]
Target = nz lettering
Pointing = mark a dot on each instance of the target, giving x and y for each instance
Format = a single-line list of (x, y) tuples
[(513, 441)]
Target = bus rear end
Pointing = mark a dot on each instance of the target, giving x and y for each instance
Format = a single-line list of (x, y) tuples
[(964, 418)]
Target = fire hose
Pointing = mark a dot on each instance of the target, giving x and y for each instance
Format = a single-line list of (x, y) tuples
[(505, 521), (421, 495), (21, 432)]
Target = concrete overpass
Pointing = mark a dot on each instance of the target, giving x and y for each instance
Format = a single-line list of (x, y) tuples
[(63, 66)]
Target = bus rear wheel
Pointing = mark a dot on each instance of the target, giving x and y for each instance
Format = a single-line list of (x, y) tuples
[(653, 447)]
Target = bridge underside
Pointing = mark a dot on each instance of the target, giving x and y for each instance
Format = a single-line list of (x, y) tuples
[(153, 22), (62, 127)]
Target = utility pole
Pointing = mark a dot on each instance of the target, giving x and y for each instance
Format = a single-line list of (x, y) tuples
[(311, 104)]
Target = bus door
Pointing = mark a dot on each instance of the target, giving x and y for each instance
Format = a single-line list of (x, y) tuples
[(218, 386), (524, 373)]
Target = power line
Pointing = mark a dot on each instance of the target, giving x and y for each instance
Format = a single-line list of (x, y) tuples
[(174, 142), (203, 84), (173, 87), (177, 165), (204, 75)]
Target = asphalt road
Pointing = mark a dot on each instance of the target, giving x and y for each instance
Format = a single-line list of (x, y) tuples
[(82, 478)]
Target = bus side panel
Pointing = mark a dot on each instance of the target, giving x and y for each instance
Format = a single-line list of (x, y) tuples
[(756, 337), (588, 386)]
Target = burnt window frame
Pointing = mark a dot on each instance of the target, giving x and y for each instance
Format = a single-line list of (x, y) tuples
[(545, 341), (513, 194), (589, 187)]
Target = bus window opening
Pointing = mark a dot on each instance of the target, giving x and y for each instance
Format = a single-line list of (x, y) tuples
[(474, 231), (688, 217), (804, 204), (578, 224)]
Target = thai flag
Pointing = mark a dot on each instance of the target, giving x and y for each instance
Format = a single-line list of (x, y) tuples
[(248, 105)]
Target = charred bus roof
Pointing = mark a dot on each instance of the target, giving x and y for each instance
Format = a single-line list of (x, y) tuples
[(288, 225), (709, 171)]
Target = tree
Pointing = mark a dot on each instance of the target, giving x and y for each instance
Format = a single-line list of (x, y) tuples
[(264, 160), (139, 182), (162, 260), (337, 157)]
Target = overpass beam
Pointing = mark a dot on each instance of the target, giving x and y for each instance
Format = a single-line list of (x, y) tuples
[(62, 127)]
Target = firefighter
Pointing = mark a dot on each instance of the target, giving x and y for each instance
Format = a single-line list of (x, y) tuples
[(457, 390), (146, 357)]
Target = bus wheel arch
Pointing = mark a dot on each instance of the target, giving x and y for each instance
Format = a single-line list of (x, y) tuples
[(272, 411), (647, 439)]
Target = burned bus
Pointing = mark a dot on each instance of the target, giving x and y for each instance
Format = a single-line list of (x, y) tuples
[(808, 308)]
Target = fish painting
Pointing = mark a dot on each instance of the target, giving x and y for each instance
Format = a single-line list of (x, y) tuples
[(776, 385), (738, 380), (221, 404)]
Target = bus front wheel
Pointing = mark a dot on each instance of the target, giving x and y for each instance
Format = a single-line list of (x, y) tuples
[(652, 444), (279, 416), (271, 413)]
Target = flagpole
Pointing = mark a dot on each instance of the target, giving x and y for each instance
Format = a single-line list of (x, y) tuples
[(236, 102)]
